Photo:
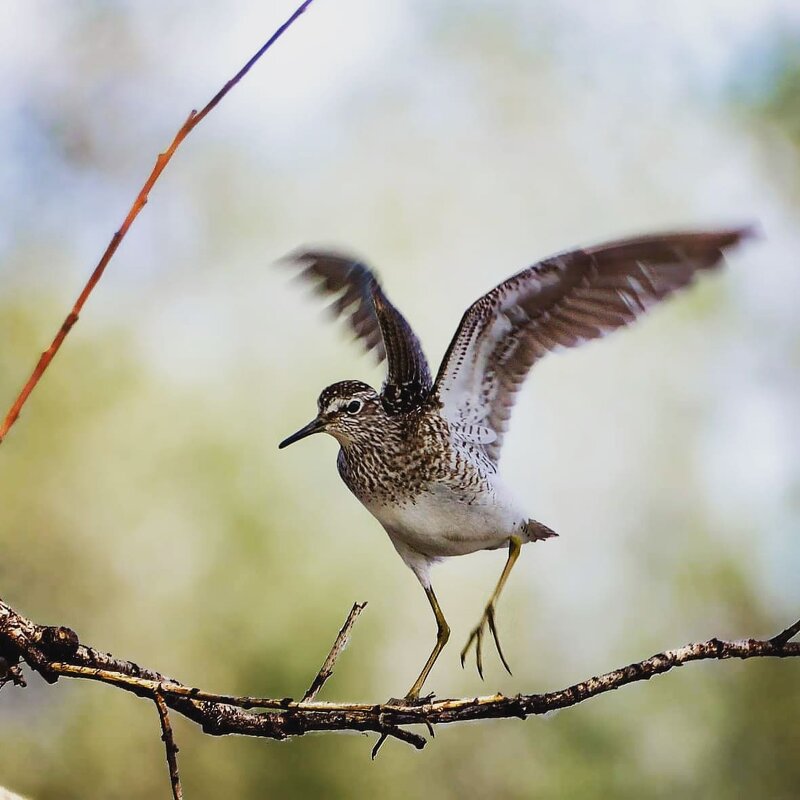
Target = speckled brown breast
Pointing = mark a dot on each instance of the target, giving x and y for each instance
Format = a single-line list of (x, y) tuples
[(412, 452)]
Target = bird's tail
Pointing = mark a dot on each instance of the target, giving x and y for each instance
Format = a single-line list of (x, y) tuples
[(534, 531)]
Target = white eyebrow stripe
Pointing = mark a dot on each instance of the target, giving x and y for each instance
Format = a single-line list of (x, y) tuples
[(340, 404)]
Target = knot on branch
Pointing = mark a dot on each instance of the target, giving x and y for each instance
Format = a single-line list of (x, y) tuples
[(720, 649), (58, 643)]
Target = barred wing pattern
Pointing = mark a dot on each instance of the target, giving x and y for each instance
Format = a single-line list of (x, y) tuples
[(560, 302), (375, 321)]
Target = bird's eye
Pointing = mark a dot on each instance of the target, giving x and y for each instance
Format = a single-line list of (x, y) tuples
[(354, 406)]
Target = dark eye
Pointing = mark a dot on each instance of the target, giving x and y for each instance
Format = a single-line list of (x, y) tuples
[(354, 406)]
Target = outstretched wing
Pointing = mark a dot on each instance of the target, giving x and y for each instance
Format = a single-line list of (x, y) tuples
[(560, 302), (376, 322)]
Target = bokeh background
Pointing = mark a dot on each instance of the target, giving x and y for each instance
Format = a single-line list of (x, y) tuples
[(143, 500)]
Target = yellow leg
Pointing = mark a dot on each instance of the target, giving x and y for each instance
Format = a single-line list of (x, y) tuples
[(442, 635), (514, 549)]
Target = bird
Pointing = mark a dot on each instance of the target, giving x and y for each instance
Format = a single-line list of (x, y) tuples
[(422, 454)]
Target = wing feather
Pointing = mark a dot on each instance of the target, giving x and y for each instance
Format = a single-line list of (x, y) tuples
[(381, 328), (558, 303)]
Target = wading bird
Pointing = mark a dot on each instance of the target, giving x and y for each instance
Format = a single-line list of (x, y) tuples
[(422, 454)]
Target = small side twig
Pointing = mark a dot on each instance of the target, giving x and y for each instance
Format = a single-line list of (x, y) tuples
[(785, 636), (326, 670), (375, 750), (170, 746), (402, 735), (192, 121)]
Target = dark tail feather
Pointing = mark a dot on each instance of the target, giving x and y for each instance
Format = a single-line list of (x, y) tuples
[(535, 531)]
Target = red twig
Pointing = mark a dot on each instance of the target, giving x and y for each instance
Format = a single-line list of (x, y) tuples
[(163, 159)]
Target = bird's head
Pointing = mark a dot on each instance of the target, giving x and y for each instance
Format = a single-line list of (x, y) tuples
[(349, 411)]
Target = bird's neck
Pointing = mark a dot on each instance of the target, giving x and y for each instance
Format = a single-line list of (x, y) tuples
[(371, 465)]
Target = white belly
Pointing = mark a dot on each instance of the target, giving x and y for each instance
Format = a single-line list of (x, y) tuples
[(440, 522)]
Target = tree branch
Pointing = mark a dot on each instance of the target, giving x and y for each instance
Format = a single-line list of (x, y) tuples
[(56, 652), (192, 121)]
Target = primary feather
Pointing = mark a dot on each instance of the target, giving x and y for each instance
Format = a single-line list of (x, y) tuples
[(375, 321), (560, 302)]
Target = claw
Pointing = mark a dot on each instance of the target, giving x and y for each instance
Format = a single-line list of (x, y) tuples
[(493, 629), (479, 650), (514, 547), (477, 637), (464, 652), (411, 699)]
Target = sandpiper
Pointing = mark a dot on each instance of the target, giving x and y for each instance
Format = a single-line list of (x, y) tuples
[(422, 454)]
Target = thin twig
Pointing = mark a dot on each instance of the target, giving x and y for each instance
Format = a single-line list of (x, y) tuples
[(55, 652), (163, 159), (326, 670), (375, 750), (789, 633), (170, 746)]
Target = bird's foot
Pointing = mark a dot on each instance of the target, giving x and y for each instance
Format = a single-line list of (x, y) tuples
[(411, 699), (487, 620)]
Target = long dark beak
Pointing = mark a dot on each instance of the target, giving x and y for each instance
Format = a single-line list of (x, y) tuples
[(315, 426)]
